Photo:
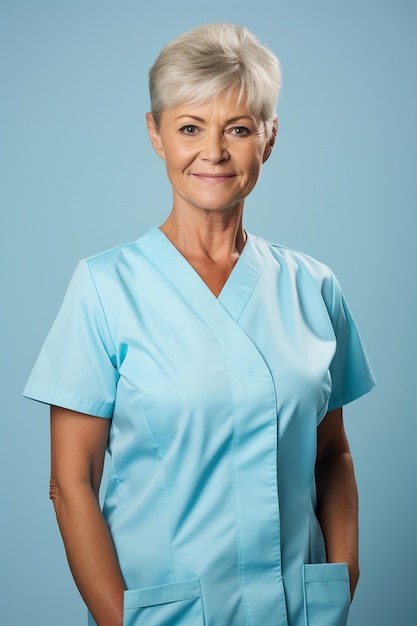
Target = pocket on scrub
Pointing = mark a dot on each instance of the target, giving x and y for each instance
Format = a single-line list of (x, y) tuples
[(173, 604), (326, 594)]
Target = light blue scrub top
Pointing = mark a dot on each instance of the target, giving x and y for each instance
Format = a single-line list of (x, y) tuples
[(215, 404)]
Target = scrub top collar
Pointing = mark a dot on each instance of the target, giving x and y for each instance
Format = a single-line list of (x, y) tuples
[(236, 291)]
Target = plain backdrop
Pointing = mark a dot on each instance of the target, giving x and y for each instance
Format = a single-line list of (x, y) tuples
[(78, 176)]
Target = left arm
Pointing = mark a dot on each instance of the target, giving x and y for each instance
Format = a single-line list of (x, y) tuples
[(337, 495)]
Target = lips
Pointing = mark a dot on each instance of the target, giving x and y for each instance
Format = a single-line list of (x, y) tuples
[(213, 178)]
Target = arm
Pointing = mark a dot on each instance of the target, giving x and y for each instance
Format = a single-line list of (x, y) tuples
[(337, 496), (78, 444)]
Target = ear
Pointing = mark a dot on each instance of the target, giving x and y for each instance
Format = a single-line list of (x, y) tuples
[(154, 135), (271, 141)]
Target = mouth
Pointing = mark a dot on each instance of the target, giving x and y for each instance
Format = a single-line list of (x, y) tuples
[(214, 178)]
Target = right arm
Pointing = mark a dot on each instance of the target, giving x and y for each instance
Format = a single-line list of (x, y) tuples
[(78, 444)]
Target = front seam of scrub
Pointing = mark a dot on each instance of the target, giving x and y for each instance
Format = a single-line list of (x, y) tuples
[(250, 379)]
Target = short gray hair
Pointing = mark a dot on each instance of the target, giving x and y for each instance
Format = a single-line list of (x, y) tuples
[(211, 60)]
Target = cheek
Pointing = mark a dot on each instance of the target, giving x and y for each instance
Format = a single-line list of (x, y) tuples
[(178, 158), (253, 168), (250, 157)]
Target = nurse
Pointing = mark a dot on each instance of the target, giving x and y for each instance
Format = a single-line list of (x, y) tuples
[(213, 367)]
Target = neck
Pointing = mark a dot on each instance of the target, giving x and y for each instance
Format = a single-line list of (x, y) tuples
[(213, 235)]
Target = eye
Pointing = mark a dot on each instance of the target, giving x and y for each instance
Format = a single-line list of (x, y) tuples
[(241, 131), (189, 129)]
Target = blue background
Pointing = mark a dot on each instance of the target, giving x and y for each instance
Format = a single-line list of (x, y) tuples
[(79, 176)]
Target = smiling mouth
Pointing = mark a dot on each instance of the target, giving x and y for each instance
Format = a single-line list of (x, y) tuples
[(214, 178)]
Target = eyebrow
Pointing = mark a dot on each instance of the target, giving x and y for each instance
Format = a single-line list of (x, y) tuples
[(202, 120)]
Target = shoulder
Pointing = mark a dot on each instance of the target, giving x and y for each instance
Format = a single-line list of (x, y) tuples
[(291, 259), (100, 277), (112, 259), (121, 264), (303, 273)]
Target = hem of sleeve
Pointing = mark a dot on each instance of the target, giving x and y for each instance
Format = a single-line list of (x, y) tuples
[(89, 406), (349, 394)]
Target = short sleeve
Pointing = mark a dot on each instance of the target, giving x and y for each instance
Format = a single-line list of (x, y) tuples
[(76, 368), (350, 370)]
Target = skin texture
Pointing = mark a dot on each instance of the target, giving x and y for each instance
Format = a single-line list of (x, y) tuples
[(78, 444), (213, 154), (337, 495)]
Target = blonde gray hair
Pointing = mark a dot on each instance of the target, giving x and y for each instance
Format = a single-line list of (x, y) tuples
[(212, 60)]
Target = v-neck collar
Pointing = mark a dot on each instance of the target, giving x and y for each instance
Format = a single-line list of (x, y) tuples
[(236, 290)]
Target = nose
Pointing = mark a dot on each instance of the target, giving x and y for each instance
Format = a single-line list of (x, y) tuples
[(215, 148)]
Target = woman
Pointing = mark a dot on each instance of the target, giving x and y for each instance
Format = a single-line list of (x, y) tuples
[(218, 364)]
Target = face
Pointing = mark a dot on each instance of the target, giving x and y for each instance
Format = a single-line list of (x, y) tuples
[(213, 152)]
